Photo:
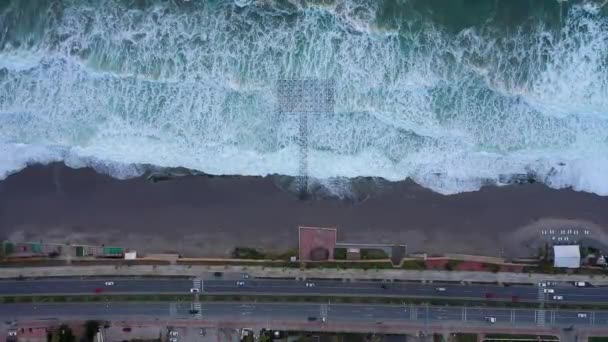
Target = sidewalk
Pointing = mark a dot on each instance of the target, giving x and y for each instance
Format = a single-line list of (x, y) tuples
[(258, 271)]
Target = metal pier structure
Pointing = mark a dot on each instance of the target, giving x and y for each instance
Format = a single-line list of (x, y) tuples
[(304, 98)]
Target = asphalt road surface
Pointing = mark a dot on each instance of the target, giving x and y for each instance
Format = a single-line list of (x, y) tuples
[(303, 312), (567, 291)]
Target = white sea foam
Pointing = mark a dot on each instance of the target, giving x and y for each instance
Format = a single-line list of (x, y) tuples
[(114, 88)]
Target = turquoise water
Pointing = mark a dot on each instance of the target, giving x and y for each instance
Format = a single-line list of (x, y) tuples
[(450, 93)]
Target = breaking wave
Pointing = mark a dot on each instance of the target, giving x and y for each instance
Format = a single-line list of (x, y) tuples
[(453, 103)]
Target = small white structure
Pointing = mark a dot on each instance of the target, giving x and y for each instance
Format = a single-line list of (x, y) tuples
[(567, 256), (131, 255)]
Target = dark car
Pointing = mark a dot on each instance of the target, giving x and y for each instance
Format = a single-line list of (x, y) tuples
[(217, 274), (193, 311), (311, 318)]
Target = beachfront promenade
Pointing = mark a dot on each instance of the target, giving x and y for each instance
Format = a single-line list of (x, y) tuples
[(277, 272)]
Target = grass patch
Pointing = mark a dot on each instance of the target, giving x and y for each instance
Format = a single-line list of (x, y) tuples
[(251, 298), (413, 265), (465, 337), (363, 265), (373, 254), (282, 255), (289, 298), (254, 254), (598, 339), (520, 337), (452, 264), (261, 263), (340, 253), (247, 253)]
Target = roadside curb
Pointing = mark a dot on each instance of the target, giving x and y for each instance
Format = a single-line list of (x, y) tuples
[(276, 272)]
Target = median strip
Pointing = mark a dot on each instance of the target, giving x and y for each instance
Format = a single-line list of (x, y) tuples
[(287, 299)]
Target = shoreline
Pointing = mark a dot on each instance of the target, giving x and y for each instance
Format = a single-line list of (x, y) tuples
[(210, 215)]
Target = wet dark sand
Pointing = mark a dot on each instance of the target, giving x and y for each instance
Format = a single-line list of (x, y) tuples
[(208, 216)]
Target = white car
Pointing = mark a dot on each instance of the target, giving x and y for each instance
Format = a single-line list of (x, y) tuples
[(173, 333), (582, 315), (548, 290), (240, 283), (310, 284), (558, 297), (580, 284), (542, 284), (491, 319), (109, 283), (172, 339), (440, 289), (195, 290)]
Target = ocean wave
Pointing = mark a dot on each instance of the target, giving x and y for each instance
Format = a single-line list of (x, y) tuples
[(192, 85)]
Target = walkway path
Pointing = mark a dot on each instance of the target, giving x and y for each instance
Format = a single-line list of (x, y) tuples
[(258, 271)]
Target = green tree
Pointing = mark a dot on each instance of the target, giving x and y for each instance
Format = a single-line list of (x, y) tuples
[(65, 334), (91, 328)]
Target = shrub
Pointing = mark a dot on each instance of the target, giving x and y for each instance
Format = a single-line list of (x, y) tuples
[(340, 253)]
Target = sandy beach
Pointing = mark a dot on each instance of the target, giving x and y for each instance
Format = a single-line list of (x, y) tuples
[(209, 216)]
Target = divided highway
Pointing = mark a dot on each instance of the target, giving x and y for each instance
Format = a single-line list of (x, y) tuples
[(303, 312), (71, 286)]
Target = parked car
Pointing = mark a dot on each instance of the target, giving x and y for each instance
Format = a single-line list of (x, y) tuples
[(195, 290), (240, 283), (558, 297), (172, 339), (580, 284), (109, 283), (440, 289), (582, 315), (310, 284), (217, 274), (548, 290), (193, 311), (542, 284), (173, 333), (491, 319)]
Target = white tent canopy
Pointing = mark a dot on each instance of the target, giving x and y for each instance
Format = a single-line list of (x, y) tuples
[(567, 256)]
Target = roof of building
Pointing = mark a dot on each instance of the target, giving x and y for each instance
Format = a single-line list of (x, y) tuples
[(567, 256), (311, 238)]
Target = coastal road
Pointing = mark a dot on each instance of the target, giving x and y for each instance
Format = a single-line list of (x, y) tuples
[(303, 312), (523, 293)]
